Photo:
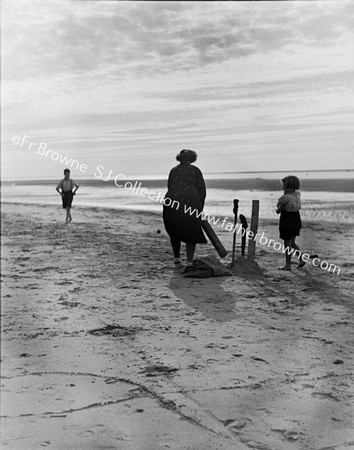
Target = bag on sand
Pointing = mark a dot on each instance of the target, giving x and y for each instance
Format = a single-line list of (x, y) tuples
[(205, 267)]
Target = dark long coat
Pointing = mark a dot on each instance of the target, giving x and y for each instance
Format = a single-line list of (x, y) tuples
[(187, 187)]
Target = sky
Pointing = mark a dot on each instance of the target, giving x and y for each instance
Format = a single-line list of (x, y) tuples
[(125, 85)]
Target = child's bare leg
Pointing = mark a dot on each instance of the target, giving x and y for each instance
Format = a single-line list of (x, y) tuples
[(287, 244), (296, 247), (67, 215)]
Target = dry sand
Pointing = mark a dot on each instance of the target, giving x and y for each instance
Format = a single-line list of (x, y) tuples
[(106, 346)]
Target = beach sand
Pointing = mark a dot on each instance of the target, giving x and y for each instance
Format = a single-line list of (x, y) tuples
[(106, 346)]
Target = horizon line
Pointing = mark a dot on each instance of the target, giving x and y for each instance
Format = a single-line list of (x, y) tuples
[(162, 177), (281, 171)]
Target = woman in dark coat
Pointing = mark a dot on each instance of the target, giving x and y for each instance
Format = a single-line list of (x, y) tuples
[(186, 190)]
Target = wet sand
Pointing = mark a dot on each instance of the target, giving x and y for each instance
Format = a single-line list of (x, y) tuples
[(106, 346)]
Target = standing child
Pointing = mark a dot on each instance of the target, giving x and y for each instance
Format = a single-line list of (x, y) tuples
[(288, 207), (66, 185)]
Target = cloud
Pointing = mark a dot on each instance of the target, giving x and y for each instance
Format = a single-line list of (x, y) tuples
[(112, 77), (80, 37)]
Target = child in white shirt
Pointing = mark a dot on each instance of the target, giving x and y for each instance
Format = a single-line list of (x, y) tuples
[(290, 224), (67, 194)]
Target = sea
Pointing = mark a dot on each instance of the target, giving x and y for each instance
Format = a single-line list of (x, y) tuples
[(326, 195)]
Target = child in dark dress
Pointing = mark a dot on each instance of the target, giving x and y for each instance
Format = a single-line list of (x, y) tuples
[(290, 224)]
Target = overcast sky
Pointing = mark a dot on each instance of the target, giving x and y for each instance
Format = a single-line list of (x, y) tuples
[(126, 85)]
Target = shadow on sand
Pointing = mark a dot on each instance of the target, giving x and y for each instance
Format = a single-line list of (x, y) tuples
[(205, 295)]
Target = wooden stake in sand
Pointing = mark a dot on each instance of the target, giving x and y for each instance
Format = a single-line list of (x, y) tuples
[(253, 229), (234, 237)]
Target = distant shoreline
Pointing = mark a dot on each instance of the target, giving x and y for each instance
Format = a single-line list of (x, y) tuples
[(258, 184), (284, 171), (215, 175)]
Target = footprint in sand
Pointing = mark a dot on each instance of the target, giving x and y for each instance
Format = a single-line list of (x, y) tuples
[(85, 434), (325, 395), (236, 425)]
